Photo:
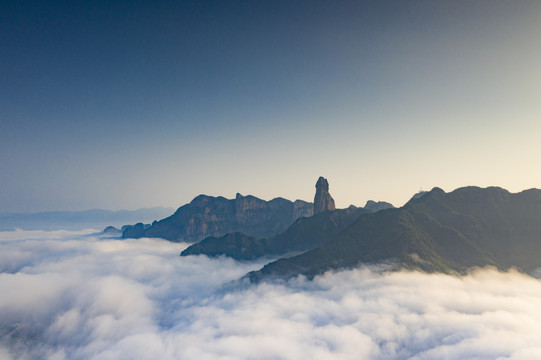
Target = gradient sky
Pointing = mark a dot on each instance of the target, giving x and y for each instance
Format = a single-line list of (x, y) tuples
[(131, 104)]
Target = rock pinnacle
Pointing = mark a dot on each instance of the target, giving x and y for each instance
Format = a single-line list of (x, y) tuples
[(323, 200)]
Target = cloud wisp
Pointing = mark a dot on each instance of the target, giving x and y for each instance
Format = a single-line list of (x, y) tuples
[(68, 295)]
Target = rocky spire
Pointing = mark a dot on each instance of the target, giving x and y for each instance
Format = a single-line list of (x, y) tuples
[(323, 201)]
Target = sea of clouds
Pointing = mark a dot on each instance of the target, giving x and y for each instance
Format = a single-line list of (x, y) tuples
[(80, 295)]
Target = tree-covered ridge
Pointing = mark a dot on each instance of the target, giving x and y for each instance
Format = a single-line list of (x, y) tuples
[(438, 231)]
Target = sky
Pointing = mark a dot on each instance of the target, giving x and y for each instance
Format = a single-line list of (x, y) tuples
[(130, 104), (79, 295)]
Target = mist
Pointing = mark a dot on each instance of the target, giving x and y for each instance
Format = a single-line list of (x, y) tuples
[(81, 295)]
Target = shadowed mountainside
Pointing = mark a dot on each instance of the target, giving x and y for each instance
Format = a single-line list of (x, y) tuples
[(303, 235), (437, 231)]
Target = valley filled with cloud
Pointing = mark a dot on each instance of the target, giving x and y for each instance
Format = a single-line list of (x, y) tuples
[(82, 295)]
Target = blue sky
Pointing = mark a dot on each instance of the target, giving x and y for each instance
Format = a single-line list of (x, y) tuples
[(133, 104)]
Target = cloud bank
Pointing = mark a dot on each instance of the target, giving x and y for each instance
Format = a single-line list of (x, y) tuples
[(75, 295)]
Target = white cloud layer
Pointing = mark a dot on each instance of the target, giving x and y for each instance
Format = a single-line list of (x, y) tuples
[(67, 295)]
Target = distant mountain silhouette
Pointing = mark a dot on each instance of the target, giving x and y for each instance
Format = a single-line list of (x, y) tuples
[(73, 220), (434, 231), (208, 216)]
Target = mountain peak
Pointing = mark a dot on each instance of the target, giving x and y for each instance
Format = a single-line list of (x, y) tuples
[(323, 200), (377, 206)]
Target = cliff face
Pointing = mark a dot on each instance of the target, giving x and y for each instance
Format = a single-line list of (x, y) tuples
[(216, 216), (323, 200), (304, 234), (302, 209)]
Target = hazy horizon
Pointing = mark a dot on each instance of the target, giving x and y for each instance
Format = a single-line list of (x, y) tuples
[(173, 208), (92, 209), (130, 105)]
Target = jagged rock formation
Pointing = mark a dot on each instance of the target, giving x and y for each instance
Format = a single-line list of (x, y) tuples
[(323, 200), (377, 206), (216, 216), (302, 209), (304, 234), (438, 231), (134, 231)]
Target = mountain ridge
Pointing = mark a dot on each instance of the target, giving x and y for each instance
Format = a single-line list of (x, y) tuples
[(447, 232), (304, 234), (207, 216)]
